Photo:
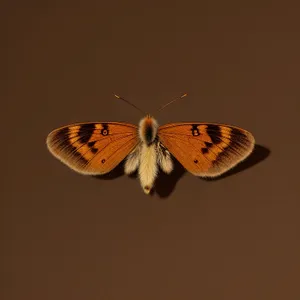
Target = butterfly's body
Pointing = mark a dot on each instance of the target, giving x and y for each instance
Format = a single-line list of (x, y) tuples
[(204, 149), (148, 155)]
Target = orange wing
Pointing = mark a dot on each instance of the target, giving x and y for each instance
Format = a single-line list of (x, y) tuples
[(206, 149), (93, 148)]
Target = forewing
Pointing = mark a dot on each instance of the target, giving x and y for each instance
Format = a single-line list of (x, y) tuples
[(93, 148), (206, 149)]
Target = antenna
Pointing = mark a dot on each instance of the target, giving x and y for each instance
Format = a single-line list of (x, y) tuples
[(128, 102), (182, 96)]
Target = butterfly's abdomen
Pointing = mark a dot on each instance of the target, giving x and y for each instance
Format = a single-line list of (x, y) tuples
[(148, 167)]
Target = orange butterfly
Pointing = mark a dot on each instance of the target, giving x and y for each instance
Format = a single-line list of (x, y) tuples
[(204, 149)]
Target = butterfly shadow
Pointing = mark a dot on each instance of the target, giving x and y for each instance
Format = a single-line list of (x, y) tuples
[(118, 171), (166, 183), (164, 186)]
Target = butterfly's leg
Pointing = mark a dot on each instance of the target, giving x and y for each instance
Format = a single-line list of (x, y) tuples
[(164, 158), (132, 161)]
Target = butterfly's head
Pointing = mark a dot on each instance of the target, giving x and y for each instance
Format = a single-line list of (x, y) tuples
[(148, 129)]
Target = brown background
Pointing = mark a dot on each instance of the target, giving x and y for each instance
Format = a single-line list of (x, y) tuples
[(67, 236)]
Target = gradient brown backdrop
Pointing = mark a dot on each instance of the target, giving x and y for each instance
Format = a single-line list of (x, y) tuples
[(67, 236)]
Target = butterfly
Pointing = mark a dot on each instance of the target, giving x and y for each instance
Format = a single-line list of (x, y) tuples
[(203, 149)]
